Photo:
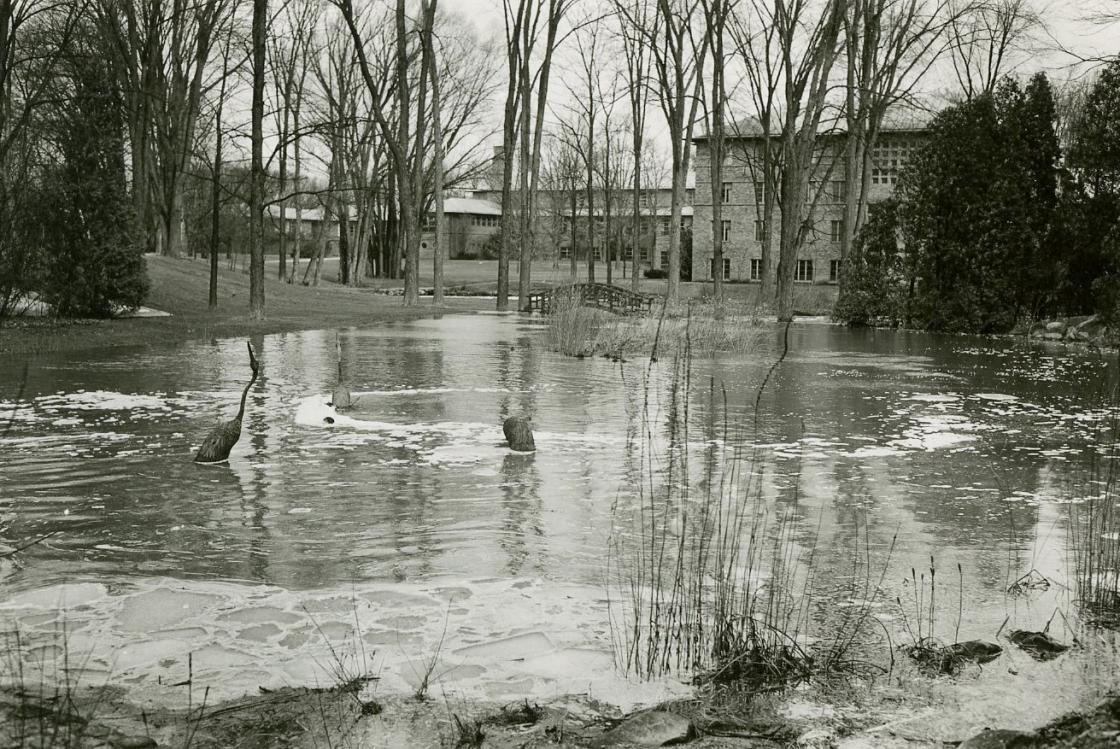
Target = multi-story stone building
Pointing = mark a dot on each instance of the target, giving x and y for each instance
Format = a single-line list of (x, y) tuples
[(743, 193)]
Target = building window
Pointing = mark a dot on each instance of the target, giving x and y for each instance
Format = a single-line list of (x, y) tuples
[(837, 191), (726, 194), (565, 251), (726, 268), (833, 270), (664, 224), (759, 192), (804, 271), (759, 230), (726, 230), (756, 269), (643, 255), (836, 230), (890, 157)]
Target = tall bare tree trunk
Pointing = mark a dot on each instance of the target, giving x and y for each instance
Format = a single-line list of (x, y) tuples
[(256, 176), (216, 195)]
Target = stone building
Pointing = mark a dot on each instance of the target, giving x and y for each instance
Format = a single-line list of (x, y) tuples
[(743, 192), (471, 224)]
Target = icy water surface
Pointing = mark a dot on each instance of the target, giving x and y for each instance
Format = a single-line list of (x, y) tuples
[(409, 523)]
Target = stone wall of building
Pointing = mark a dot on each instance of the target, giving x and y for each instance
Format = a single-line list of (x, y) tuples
[(742, 189)]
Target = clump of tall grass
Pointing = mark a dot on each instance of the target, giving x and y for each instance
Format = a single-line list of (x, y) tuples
[(1095, 533), (931, 653), (573, 329), (716, 582), (703, 327)]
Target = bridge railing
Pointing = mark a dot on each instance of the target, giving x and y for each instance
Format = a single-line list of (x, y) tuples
[(600, 295)]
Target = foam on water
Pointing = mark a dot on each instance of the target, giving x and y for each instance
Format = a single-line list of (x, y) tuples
[(494, 638)]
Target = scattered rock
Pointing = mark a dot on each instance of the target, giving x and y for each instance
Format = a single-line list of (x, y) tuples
[(975, 650), (519, 434), (997, 739), (1057, 326), (652, 728), (934, 658), (817, 738), (1038, 645)]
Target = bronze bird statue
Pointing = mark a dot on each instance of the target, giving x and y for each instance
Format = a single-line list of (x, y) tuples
[(340, 399), (215, 448)]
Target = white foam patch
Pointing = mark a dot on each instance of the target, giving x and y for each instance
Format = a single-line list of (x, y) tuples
[(443, 442), (875, 451), (934, 398), (429, 391), (1000, 397), (504, 639), (107, 400)]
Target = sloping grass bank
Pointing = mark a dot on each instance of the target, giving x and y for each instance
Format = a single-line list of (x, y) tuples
[(180, 286)]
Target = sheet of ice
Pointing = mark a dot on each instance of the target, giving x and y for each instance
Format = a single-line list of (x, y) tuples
[(495, 638)]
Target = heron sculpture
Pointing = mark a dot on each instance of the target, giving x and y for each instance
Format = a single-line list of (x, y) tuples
[(340, 399), (215, 448)]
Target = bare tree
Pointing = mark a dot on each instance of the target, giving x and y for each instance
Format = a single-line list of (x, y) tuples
[(755, 37), (987, 40), (256, 170), (716, 14), (531, 27), (216, 169), (890, 46), (289, 60), (634, 16), (428, 8), (584, 93), (806, 67), (160, 59), (678, 57)]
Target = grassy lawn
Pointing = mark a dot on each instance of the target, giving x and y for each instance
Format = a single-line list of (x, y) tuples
[(179, 286)]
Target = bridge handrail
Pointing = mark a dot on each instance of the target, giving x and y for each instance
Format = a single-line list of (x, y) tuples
[(595, 294)]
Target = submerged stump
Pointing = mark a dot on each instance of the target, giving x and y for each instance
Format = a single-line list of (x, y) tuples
[(340, 398), (519, 434)]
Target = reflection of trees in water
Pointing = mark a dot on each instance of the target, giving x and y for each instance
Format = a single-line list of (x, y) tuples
[(521, 508), (518, 372)]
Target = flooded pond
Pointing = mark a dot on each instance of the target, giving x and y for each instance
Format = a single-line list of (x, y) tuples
[(410, 532)]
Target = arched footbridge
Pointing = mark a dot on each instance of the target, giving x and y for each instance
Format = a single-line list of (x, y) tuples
[(600, 295)]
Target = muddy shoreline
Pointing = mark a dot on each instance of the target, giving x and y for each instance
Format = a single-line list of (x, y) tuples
[(354, 714)]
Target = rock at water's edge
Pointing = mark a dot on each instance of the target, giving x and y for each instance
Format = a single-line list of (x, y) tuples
[(653, 728), (997, 739)]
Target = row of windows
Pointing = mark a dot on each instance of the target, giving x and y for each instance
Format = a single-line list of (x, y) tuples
[(835, 230), (833, 191), (802, 272), (627, 253), (486, 220)]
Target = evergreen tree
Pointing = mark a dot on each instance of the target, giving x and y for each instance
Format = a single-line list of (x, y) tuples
[(1090, 227), (1094, 150), (94, 263), (977, 212), (875, 275)]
